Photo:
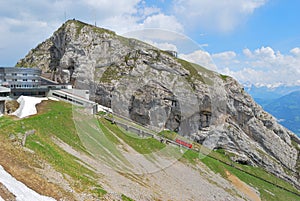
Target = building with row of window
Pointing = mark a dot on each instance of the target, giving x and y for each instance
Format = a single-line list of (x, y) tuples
[(20, 77), (22, 81), (15, 82)]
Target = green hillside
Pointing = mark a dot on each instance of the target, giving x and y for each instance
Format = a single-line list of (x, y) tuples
[(56, 121)]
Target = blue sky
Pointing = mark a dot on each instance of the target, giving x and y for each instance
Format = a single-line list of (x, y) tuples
[(274, 24), (255, 41)]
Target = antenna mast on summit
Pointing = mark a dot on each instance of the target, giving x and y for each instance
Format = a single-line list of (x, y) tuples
[(94, 12), (65, 13), (94, 16)]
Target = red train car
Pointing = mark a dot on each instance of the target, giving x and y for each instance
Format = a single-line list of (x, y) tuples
[(183, 143)]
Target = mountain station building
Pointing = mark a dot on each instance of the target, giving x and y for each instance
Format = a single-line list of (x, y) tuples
[(21, 81), (15, 82)]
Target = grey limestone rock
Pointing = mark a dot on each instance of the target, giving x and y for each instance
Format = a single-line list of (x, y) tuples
[(161, 91)]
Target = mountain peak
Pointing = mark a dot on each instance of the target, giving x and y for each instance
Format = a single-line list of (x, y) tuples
[(79, 24), (158, 90)]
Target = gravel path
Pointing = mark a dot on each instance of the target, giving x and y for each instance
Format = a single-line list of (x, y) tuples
[(248, 191)]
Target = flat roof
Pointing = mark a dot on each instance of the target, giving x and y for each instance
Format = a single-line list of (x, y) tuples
[(21, 68), (69, 93), (4, 90)]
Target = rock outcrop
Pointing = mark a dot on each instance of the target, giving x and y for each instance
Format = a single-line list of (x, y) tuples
[(161, 91)]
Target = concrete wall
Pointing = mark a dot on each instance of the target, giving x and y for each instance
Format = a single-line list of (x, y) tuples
[(74, 99)]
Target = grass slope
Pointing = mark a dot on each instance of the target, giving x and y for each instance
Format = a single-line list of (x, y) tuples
[(56, 119), (142, 146), (268, 192)]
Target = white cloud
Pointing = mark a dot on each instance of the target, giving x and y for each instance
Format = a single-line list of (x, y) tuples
[(163, 45), (162, 21), (265, 52), (228, 55), (263, 66), (18, 36), (116, 23), (125, 16), (24, 24), (146, 11), (112, 8), (247, 52), (154, 34), (200, 57), (225, 59), (220, 15), (266, 67), (295, 51), (270, 78)]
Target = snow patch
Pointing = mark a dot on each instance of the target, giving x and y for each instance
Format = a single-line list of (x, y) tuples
[(27, 106), (20, 190)]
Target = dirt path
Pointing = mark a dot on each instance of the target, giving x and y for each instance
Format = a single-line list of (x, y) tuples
[(248, 191)]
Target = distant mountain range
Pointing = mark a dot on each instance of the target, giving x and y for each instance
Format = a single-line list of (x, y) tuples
[(282, 102)]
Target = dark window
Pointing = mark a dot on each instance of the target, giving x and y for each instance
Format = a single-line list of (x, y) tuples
[(24, 80)]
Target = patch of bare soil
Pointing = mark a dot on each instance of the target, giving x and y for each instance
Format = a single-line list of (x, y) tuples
[(42, 107), (11, 106), (6, 194), (177, 182), (248, 191), (21, 165)]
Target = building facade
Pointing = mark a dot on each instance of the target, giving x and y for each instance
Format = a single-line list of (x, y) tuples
[(20, 78), (16, 82), (22, 81)]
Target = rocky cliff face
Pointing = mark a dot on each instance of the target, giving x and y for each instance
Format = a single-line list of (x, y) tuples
[(154, 88)]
